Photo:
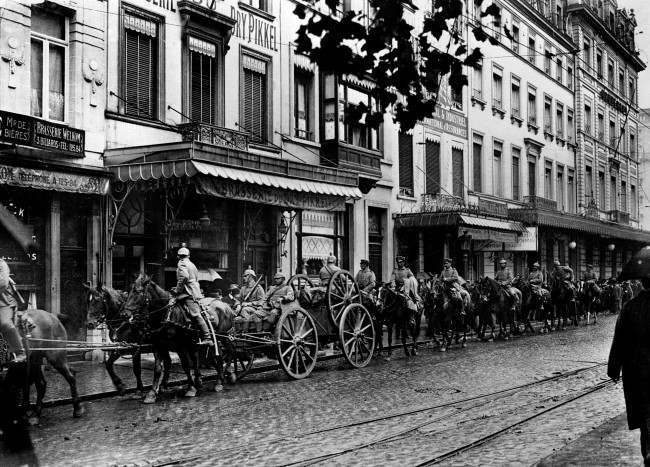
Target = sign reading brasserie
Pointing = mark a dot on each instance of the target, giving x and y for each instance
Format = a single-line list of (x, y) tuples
[(29, 131), (51, 180)]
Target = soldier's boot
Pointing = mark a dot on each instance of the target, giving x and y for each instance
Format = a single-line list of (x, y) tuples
[(206, 338)]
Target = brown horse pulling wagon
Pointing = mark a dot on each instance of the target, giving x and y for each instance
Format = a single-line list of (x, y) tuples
[(317, 317)]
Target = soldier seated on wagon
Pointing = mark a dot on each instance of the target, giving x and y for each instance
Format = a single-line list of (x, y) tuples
[(278, 294), (252, 301)]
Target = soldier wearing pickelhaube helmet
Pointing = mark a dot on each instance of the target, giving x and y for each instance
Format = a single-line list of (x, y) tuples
[(278, 293), (365, 278), (188, 293)]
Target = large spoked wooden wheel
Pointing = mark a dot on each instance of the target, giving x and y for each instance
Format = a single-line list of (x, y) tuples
[(341, 292), (296, 342), (357, 335), (300, 283), (238, 362)]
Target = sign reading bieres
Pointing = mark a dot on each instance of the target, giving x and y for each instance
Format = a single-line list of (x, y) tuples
[(254, 30), (29, 131)]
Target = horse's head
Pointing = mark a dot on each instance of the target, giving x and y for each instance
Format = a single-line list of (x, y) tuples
[(139, 296), (103, 303)]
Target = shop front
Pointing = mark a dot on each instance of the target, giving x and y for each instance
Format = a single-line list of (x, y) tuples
[(466, 233), (50, 215), (232, 209)]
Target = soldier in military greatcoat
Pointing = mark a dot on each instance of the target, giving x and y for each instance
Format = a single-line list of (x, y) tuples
[(365, 278), (189, 293)]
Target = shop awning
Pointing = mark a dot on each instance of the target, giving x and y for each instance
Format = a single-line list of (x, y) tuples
[(452, 219), (581, 224), (492, 224), (190, 168)]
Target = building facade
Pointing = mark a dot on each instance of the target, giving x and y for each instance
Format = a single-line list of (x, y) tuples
[(607, 155), (544, 178), (644, 168), (52, 182)]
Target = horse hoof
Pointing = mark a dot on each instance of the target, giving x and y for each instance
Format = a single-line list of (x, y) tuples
[(218, 387), (150, 398), (78, 411), (464, 344), (121, 389), (191, 392), (231, 378)]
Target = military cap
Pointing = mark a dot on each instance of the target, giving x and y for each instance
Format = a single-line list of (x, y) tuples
[(535, 264), (400, 258), (556, 262), (250, 272), (364, 261), (331, 259), (183, 251), (502, 261), (233, 287)]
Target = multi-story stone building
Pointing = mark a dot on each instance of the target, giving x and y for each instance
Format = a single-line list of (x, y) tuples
[(546, 178), (52, 180), (644, 169), (606, 99), (222, 137)]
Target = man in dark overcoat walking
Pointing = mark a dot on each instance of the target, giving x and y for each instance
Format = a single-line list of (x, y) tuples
[(630, 352)]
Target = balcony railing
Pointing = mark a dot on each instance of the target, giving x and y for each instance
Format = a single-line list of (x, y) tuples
[(215, 135), (537, 202), (436, 202), (620, 217)]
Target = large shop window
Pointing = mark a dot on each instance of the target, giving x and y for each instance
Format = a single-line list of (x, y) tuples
[(405, 164), (203, 80), (49, 46), (320, 238), (140, 65), (23, 218), (254, 108)]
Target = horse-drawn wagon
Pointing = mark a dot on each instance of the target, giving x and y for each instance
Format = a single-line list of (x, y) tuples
[(317, 316)]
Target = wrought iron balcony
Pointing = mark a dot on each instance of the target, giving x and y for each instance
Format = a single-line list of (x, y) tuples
[(620, 217), (366, 162), (215, 135), (537, 202)]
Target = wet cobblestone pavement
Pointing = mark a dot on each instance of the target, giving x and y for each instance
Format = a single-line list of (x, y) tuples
[(401, 412)]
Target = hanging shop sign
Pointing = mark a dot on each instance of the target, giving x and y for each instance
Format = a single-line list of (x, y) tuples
[(492, 235), (527, 241), (51, 180), (268, 195), (29, 131)]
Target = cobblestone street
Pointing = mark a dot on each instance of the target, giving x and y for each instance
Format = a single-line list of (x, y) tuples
[(401, 412)]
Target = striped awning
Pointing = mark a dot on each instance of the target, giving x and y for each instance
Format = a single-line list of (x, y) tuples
[(454, 219), (144, 171), (492, 224)]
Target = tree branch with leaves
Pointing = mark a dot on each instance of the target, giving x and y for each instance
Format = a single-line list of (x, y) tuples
[(406, 67)]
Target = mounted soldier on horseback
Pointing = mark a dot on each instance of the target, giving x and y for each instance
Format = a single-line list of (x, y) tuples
[(504, 277), (590, 292), (188, 293), (563, 292), (8, 308)]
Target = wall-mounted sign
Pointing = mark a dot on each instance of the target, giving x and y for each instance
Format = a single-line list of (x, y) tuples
[(448, 121), (29, 131), (254, 30), (52, 180), (527, 241)]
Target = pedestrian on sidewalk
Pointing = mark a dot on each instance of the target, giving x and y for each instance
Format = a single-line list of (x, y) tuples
[(630, 353)]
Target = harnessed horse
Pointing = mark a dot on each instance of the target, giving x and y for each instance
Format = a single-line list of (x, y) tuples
[(589, 296), (106, 305), (168, 332), (533, 299)]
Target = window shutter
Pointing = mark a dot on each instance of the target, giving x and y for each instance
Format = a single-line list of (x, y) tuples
[(432, 164), (203, 87), (405, 160), (140, 64), (254, 104), (457, 171)]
